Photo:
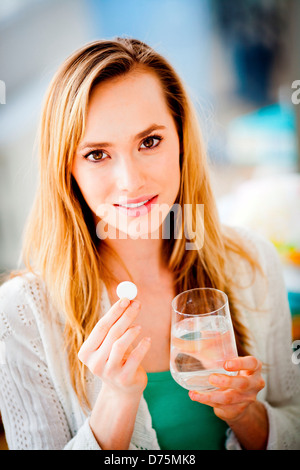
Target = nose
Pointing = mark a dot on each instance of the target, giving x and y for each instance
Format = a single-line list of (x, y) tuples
[(129, 175)]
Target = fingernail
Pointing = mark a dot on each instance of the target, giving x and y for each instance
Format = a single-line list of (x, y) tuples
[(135, 304)]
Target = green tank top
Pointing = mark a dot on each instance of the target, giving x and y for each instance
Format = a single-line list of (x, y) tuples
[(179, 422)]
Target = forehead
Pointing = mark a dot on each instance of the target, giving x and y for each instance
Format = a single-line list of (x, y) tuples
[(133, 100)]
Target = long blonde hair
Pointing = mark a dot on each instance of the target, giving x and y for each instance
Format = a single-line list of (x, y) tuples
[(60, 237)]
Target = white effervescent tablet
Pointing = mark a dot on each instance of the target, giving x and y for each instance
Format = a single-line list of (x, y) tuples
[(127, 289)]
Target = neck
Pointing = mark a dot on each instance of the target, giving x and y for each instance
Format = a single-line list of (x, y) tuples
[(142, 258)]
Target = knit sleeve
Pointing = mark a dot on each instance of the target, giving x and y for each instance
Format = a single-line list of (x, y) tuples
[(271, 328), (283, 378), (31, 410)]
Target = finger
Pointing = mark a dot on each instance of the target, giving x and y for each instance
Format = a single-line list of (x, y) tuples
[(106, 367), (120, 347), (237, 382), (102, 327), (218, 398), (241, 383), (247, 363), (116, 331), (119, 327), (135, 358)]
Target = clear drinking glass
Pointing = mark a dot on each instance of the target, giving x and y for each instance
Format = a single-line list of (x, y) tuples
[(202, 337)]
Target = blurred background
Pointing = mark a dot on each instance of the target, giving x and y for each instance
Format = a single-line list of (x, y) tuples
[(240, 61)]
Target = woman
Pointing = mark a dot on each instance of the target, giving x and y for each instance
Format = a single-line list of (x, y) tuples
[(119, 143)]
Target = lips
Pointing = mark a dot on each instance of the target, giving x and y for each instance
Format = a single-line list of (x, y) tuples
[(136, 207)]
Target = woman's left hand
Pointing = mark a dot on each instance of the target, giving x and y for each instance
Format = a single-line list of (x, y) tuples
[(235, 394)]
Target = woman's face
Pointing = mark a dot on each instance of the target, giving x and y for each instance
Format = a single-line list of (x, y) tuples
[(127, 164)]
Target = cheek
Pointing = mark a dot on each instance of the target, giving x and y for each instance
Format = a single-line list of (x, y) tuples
[(93, 191)]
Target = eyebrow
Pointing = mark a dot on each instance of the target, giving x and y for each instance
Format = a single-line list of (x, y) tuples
[(140, 135)]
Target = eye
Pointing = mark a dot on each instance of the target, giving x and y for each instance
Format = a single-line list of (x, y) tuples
[(151, 142), (96, 156)]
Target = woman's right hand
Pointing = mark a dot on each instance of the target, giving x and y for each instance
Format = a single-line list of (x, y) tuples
[(109, 354)]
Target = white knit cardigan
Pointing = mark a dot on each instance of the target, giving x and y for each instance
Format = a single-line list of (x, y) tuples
[(40, 409)]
